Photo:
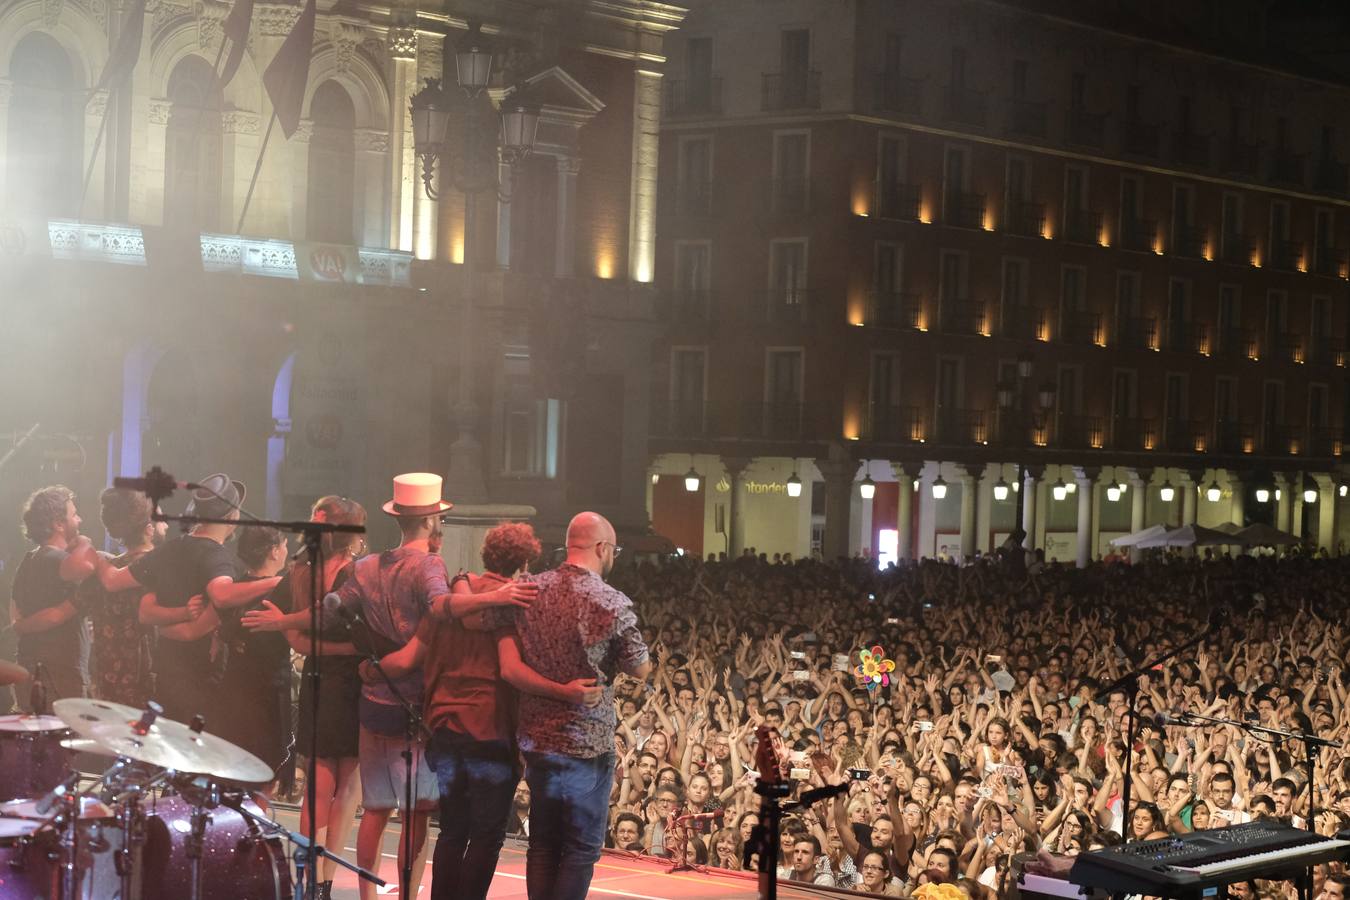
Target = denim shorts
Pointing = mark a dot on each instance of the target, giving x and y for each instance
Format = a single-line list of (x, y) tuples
[(383, 774)]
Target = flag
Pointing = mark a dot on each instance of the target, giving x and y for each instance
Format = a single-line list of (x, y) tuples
[(236, 32), (288, 72), (122, 59)]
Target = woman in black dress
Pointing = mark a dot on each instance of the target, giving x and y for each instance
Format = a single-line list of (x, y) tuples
[(338, 780)]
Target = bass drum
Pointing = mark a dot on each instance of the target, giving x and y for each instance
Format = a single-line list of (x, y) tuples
[(238, 862)]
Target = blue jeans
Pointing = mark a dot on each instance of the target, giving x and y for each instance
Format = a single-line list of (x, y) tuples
[(569, 808), (477, 781)]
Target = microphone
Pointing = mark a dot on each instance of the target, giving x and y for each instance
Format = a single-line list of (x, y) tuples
[(1164, 718), (37, 696), (349, 611), (51, 800)]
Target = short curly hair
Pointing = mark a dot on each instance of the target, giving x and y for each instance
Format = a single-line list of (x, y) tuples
[(44, 510), (124, 514), (510, 547)]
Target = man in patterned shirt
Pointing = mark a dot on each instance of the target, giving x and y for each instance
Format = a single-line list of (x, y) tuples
[(578, 627)]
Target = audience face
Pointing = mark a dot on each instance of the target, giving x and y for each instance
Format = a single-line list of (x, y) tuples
[(803, 859)]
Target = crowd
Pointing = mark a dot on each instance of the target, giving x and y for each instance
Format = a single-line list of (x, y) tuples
[(990, 739)]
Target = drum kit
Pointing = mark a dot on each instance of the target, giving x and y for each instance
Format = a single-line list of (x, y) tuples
[(170, 819)]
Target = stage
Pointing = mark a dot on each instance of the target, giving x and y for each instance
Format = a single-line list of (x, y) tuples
[(616, 875)]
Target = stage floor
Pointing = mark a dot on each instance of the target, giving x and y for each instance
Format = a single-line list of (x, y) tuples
[(615, 876)]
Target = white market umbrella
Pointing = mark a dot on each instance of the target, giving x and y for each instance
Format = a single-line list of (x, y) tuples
[(1191, 536), (1133, 540)]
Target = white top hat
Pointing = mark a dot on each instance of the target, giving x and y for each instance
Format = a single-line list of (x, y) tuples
[(417, 494)]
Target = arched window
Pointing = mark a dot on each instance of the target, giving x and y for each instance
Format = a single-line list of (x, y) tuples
[(192, 147), (44, 144), (332, 166)]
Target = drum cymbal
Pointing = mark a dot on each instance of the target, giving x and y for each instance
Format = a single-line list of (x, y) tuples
[(168, 744), (25, 722), (12, 673)]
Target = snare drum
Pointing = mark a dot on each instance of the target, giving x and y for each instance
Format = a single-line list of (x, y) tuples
[(238, 863), (30, 860), (32, 760)]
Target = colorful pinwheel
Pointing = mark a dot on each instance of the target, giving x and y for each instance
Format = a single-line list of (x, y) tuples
[(874, 669)]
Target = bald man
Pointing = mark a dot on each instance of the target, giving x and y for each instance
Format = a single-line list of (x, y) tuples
[(578, 627)]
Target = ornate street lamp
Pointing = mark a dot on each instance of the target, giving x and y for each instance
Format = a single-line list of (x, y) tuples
[(1000, 490), (794, 485), (473, 60), (1166, 492), (867, 488), (691, 480), (939, 488)]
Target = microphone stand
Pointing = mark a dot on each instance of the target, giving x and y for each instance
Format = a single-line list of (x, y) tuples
[(1129, 683), (1312, 744), (413, 726), (300, 841), (161, 487)]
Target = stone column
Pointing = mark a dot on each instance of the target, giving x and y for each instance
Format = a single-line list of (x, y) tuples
[(1188, 484), (1086, 478), (372, 167), (1139, 480), (1031, 479), (735, 466), (984, 507), (970, 480), (905, 473), (642, 189), (1284, 504), (1326, 512), (403, 173), (1296, 505), (565, 250), (838, 475), (505, 178), (1238, 508)]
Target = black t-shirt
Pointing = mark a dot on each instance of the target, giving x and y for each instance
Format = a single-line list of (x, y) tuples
[(38, 586), (176, 572), (267, 650)]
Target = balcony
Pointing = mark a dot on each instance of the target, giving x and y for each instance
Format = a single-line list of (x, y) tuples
[(1139, 138), (687, 305), (1073, 432), (893, 424), (1026, 118), (786, 91), (1235, 343), (1138, 234), (1024, 218), (1323, 440), (960, 426), (1278, 440), (789, 195), (694, 199), (1191, 149), (1079, 327), (1329, 261), (1136, 332), (1234, 437), (1286, 256), (1237, 249), (1284, 346), (1085, 129), (680, 419), (786, 304), (963, 209), (780, 420), (1014, 428), (1024, 323), (961, 317), (1132, 433), (698, 97), (1184, 435), (1083, 226), (965, 105), (1186, 337), (896, 93), (1287, 168), (1188, 241), (897, 201), (1240, 158), (1325, 351), (1331, 177), (889, 309)]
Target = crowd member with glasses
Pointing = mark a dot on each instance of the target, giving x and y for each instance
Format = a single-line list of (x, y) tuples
[(578, 627)]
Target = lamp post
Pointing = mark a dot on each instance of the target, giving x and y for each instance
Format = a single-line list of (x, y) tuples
[(468, 159)]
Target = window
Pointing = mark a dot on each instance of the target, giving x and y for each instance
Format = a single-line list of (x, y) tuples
[(693, 174), (892, 199), (1325, 261), (1230, 310), (192, 142), (693, 275), (531, 425), (698, 65), (1233, 246), (791, 170), (955, 175), (783, 377), (1124, 394), (787, 274), (1225, 399), (795, 55), (1019, 79), (1069, 394), (1131, 196), (1183, 206), (1128, 330), (1185, 125), (1078, 91), (1178, 301), (1014, 300), (1132, 98), (1281, 134), (43, 165), (884, 385), (1277, 314), (952, 286), (1075, 189), (688, 380), (949, 383), (887, 278), (958, 67), (1279, 221), (1328, 142), (1174, 397), (1319, 320), (1317, 406), (1019, 181), (332, 166), (1272, 406)]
